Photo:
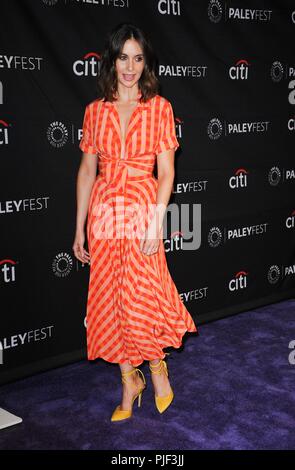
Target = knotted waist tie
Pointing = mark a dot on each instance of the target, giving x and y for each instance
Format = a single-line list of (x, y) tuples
[(115, 171)]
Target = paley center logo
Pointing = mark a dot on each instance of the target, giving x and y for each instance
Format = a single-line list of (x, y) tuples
[(57, 134), (276, 175), (89, 65), (277, 273), (216, 129), (216, 12), (280, 71), (62, 264)]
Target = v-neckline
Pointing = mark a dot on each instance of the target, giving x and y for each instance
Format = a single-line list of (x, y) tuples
[(123, 140)]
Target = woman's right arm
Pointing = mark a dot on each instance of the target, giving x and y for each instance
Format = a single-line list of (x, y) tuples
[(85, 180)]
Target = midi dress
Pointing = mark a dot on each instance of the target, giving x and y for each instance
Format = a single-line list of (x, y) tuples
[(133, 310)]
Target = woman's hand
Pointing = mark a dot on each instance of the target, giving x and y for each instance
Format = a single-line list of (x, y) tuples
[(149, 245), (78, 248)]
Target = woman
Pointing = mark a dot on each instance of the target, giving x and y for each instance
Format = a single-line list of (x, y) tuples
[(133, 307)]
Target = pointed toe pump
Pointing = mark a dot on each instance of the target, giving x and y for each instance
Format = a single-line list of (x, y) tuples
[(162, 403), (120, 415)]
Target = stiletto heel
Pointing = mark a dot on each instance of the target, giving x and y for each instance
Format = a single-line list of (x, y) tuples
[(118, 414), (162, 403), (139, 400)]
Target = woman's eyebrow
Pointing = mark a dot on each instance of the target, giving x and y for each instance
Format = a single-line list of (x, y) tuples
[(124, 53)]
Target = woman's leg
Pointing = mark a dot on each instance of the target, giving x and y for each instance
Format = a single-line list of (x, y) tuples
[(160, 381), (133, 383)]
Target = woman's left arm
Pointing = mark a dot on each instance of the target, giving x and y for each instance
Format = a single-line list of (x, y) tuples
[(166, 173)]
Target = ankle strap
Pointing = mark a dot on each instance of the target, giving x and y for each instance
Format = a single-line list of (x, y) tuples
[(127, 374), (156, 365), (162, 364)]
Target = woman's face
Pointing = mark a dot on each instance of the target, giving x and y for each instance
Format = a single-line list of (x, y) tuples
[(130, 63)]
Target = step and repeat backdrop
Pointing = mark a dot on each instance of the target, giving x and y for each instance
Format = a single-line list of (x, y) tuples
[(228, 68)]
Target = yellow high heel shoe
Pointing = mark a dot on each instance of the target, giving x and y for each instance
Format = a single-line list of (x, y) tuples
[(162, 403), (118, 414)]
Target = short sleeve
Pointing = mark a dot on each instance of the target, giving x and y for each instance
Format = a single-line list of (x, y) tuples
[(86, 143), (167, 132)]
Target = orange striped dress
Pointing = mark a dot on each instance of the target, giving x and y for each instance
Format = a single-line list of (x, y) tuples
[(133, 306)]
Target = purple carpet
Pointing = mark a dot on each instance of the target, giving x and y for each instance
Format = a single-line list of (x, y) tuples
[(234, 389)]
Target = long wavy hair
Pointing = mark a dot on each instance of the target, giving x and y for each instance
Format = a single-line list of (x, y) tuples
[(148, 83)]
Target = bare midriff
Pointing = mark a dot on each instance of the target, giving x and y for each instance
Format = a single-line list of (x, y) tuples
[(136, 172)]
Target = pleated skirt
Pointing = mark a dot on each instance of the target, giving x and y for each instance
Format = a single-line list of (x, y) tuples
[(133, 307)]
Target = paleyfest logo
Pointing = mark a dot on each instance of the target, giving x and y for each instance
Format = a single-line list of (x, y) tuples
[(215, 13)]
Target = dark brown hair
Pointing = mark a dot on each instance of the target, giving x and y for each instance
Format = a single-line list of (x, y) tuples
[(148, 83)]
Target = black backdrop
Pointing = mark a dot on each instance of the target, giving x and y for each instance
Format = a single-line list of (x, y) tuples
[(228, 69)]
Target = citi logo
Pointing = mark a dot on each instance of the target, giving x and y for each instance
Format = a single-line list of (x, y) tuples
[(291, 124), (89, 65), (290, 221), (238, 282), (169, 7), (239, 71), (3, 132), (178, 127), (175, 243), (7, 267), (239, 180)]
